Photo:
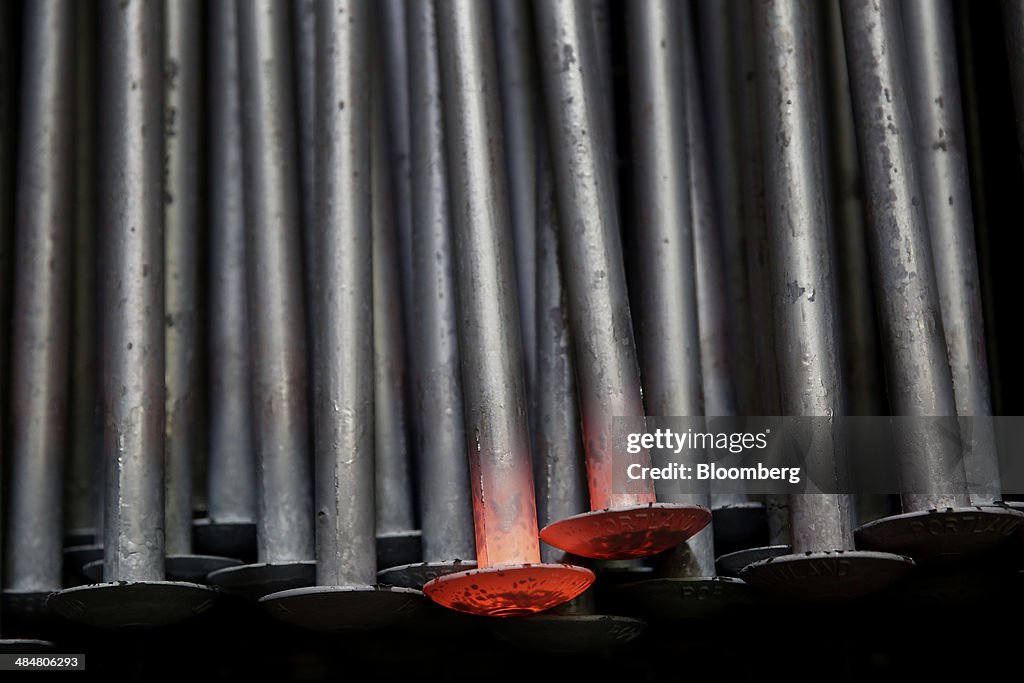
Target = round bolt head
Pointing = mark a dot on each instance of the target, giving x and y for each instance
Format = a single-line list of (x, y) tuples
[(136, 604), (687, 598), (224, 539), (578, 634), (398, 548), (24, 646), (416, 575), (941, 535), (832, 576), (509, 591), (626, 533), (253, 581), (343, 608), (731, 564)]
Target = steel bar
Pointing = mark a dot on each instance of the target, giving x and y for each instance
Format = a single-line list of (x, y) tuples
[(572, 627), (181, 275), (9, 47), (131, 213), (1013, 25), (304, 60), (230, 528), (823, 565), (517, 76), (917, 365), (490, 342), (445, 506), (738, 521), (41, 311), (669, 335), (275, 309), (344, 597), (621, 525), (942, 154), (398, 539)]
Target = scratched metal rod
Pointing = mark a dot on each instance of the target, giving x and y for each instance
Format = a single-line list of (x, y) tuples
[(42, 310), (398, 540), (942, 154), (131, 216), (230, 528), (573, 627), (823, 564), (608, 376), (275, 308), (509, 579), (304, 45), (917, 366), (517, 77), (344, 596), (1013, 23), (181, 274), (446, 512)]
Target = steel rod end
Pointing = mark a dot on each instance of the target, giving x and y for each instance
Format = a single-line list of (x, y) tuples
[(941, 535), (687, 598), (224, 539), (399, 547), (416, 575), (253, 581), (626, 533), (577, 634), (831, 576), (24, 646), (136, 604), (509, 591), (731, 564), (742, 525), (343, 608)]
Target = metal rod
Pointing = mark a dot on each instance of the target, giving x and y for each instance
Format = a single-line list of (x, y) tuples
[(917, 366), (490, 341), (622, 524), (231, 475), (133, 306), (346, 548), (669, 337), (446, 510), (595, 280), (398, 539), (42, 311), (942, 154), (304, 45), (517, 80), (181, 223), (276, 316)]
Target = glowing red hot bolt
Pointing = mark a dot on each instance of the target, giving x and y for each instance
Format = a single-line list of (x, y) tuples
[(621, 525), (509, 580)]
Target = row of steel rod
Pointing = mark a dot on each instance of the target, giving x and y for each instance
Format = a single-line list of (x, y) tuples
[(436, 276)]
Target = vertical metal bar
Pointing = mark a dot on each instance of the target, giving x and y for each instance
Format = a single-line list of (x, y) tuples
[(304, 45), (398, 541), (133, 305), (942, 154), (41, 320), (231, 475), (805, 305), (517, 80), (181, 224), (276, 316), (9, 46), (490, 341), (445, 506), (607, 371), (917, 366)]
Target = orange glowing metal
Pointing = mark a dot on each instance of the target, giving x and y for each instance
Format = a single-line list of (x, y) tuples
[(510, 591), (628, 533)]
